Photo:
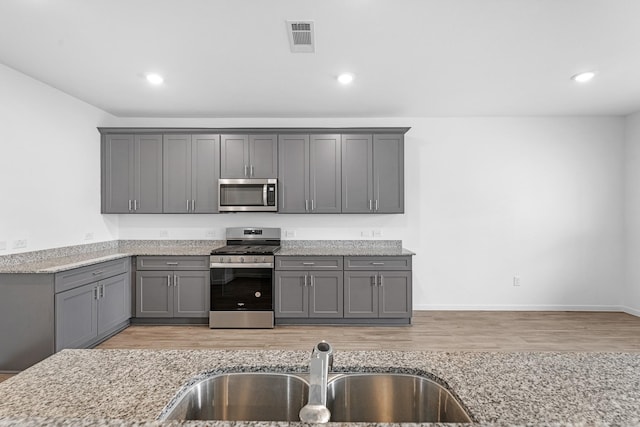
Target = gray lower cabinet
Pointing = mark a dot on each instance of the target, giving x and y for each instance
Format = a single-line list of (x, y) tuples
[(190, 173), (182, 292), (309, 173), (350, 289), (313, 294), (373, 173), (249, 156), (131, 173), (381, 294), (87, 312)]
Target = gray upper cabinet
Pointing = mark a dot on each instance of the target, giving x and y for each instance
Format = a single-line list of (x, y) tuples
[(309, 173), (191, 173), (373, 173), (132, 173), (248, 156)]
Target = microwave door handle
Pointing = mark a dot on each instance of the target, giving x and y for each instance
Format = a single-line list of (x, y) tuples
[(264, 195)]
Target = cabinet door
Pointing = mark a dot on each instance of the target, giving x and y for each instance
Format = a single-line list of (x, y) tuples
[(148, 175), (360, 294), (154, 294), (234, 156), (263, 156), (114, 303), (291, 294), (76, 317), (395, 294), (293, 173), (325, 174), (357, 174), (117, 173), (176, 181), (191, 294), (388, 173), (205, 171), (326, 294)]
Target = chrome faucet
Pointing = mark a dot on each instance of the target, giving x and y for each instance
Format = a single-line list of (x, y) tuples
[(321, 362)]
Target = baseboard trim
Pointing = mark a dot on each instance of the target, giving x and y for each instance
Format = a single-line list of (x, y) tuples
[(525, 307), (631, 311)]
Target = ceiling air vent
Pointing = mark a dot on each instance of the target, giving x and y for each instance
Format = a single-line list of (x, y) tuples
[(301, 37)]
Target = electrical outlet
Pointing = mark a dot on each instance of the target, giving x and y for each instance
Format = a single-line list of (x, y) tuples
[(164, 233), (88, 236), (377, 233), (289, 233), (19, 243), (366, 233), (516, 280), (210, 234), (3, 246)]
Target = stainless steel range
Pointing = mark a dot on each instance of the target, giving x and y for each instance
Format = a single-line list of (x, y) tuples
[(242, 279)]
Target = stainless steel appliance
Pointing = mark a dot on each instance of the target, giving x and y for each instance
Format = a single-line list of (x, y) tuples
[(248, 195), (242, 279)]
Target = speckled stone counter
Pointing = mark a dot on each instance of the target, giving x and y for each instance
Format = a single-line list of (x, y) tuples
[(66, 258), (131, 387), (343, 248)]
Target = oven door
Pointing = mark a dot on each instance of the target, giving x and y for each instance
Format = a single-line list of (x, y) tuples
[(241, 296)]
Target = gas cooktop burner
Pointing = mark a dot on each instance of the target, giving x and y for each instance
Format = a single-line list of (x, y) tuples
[(246, 250)]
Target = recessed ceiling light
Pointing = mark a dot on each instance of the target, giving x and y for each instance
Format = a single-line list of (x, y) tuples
[(154, 79), (584, 77), (345, 78)]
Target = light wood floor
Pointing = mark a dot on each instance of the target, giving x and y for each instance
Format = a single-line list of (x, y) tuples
[(431, 331)]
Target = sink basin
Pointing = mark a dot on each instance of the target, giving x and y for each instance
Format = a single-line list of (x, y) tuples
[(242, 396), (357, 397), (392, 398)]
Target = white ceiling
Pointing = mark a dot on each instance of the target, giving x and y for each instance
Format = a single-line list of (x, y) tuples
[(231, 58)]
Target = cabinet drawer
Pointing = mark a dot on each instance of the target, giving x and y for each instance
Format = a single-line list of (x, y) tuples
[(172, 262), (70, 279), (308, 263), (378, 263)]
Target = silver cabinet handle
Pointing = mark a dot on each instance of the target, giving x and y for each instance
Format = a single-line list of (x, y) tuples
[(135, 204), (245, 170), (95, 293), (373, 280), (101, 291), (187, 205), (308, 263), (168, 280), (251, 174), (311, 280), (381, 280), (193, 205), (376, 205), (312, 205), (175, 280), (129, 205), (172, 263), (377, 263), (370, 205), (96, 273), (305, 280), (306, 205)]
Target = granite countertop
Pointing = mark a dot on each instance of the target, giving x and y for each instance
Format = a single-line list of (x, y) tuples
[(61, 259), (131, 387)]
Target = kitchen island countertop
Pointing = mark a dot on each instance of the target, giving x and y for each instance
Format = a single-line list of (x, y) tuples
[(131, 387)]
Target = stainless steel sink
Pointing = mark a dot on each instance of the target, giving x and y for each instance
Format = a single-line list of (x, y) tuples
[(392, 398), (242, 397), (351, 397)]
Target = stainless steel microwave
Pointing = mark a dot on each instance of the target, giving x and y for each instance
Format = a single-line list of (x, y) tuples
[(248, 195)]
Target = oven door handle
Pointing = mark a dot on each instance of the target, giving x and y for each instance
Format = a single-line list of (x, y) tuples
[(241, 265)]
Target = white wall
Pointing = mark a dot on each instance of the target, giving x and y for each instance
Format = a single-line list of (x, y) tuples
[(49, 167), (631, 300), (487, 199)]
